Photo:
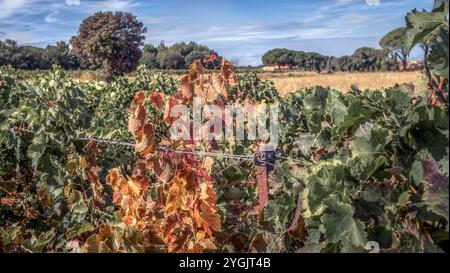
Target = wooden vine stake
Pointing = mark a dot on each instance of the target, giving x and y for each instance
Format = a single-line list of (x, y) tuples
[(264, 161)]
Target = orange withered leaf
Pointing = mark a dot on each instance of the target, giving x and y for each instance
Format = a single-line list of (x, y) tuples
[(163, 167), (157, 99), (145, 140), (170, 225), (207, 244), (134, 187), (176, 195), (220, 85), (227, 72), (210, 216), (211, 58), (205, 212), (115, 178), (7, 201), (140, 170), (207, 164), (177, 242), (138, 100), (137, 119), (143, 184), (207, 193), (173, 101), (117, 197), (195, 71), (129, 220), (186, 89)]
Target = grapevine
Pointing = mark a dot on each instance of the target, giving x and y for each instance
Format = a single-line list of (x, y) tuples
[(104, 166)]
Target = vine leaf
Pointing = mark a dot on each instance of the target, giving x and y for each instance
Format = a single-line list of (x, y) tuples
[(436, 188), (158, 100)]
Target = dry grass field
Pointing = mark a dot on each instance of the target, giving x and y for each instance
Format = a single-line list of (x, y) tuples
[(287, 82), (292, 81)]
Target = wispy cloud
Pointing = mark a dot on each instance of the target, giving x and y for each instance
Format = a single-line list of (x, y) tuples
[(51, 18), (242, 30), (10, 7), (152, 20), (109, 5)]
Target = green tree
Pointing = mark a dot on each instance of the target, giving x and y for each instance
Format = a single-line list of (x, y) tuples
[(300, 59), (171, 59), (30, 58), (315, 61), (278, 56), (332, 64), (61, 55), (367, 59), (112, 40), (394, 45), (8, 49), (345, 63), (181, 55), (149, 57)]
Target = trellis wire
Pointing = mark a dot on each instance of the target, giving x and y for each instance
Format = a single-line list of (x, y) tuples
[(199, 153), (166, 148)]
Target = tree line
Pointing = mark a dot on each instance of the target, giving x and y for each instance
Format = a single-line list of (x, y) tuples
[(115, 42), (363, 59), (27, 57), (392, 55), (32, 57), (176, 56)]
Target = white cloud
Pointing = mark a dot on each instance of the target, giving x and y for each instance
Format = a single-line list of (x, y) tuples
[(50, 18), (109, 5), (73, 2), (373, 2), (23, 37), (301, 27), (151, 20), (11, 7)]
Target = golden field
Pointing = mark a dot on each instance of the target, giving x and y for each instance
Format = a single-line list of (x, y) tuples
[(286, 82), (291, 81)]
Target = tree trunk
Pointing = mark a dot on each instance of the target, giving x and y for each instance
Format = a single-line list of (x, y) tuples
[(403, 58)]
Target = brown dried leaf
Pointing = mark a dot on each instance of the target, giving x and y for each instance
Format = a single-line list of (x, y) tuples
[(157, 99), (145, 140)]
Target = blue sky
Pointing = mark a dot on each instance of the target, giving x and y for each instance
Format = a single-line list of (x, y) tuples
[(239, 30)]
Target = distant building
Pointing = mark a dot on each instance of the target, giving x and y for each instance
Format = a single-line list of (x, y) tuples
[(277, 68), (414, 65)]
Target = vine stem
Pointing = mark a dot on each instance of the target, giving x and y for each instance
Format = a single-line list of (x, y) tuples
[(276, 241), (436, 90)]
